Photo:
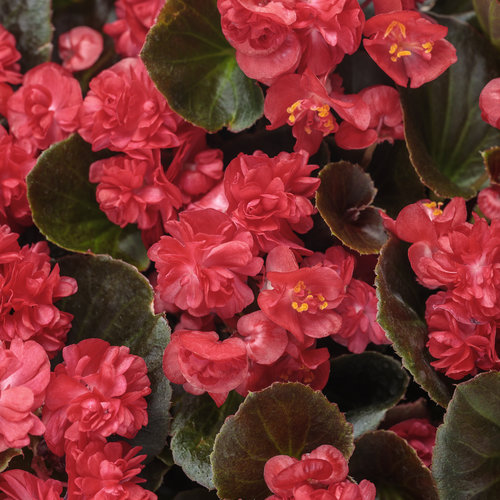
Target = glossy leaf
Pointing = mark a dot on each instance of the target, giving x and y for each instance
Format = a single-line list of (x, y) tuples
[(444, 130), (64, 206), (194, 427), (401, 315), (114, 302), (488, 15), (29, 22), (193, 65), (365, 386), (466, 462), (344, 200), (284, 419), (491, 158), (393, 466)]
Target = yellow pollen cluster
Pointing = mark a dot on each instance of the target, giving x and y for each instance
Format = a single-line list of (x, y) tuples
[(435, 207), (291, 109), (392, 26), (303, 305), (427, 46)]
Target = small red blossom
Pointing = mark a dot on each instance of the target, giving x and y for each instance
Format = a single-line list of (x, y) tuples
[(24, 375), (101, 470), (345, 490), (97, 391), (135, 190), (134, 18), (124, 111), (9, 67), (16, 484), (489, 102), (203, 266), (79, 48), (420, 434), (203, 363), (270, 197), (408, 46), (385, 122), (45, 109)]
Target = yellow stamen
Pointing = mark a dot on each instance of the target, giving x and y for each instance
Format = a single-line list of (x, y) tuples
[(299, 286), (293, 107), (324, 305), (403, 53), (320, 297), (323, 111), (393, 48), (394, 24), (303, 307), (428, 46), (291, 118), (295, 305), (435, 207), (309, 297)]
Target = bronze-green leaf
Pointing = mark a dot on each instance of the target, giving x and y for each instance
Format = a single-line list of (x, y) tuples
[(444, 130), (7, 455), (193, 65), (344, 200), (64, 206), (284, 419), (466, 461), (401, 315), (393, 466), (114, 302), (491, 158), (488, 15)]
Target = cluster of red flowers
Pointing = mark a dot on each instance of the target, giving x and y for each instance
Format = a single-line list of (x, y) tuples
[(321, 474), (462, 259)]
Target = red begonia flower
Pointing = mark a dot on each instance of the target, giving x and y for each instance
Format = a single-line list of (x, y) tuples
[(79, 48), (488, 200), (385, 123), (101, 470), (408, 47), (489, 102), (45, 109), (420, 434), (24, 375), (16, 484), (203, 266), (203, 363), (97, 391), (346, 490), (124, 111), (134, 18), (135, 190), (9, 67), (270, 197)]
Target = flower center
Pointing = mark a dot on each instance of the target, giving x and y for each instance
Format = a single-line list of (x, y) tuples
[(316, 117), (303, 300), (400, 48), (434, 208)]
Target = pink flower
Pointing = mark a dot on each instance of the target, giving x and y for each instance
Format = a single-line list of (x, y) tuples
[(100, 470), (489, 102), (24, 375), (345, 490), (97, 391), (488, 200), (135, 190), (202, 363), (9, 67), (408, 47), (385, 119), (203, 266), (18, 484), (270, 197), (420, 434), (45, 109), (134, 18), (124, 111), (79, 48)]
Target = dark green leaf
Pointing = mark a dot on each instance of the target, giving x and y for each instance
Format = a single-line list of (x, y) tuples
[(365, 386), (7, 455), (401, 315), (29, 22), (194, 427), (344, 200), (284, 419), (488, 15), (114, 302), (196, 494), (444, 130), (193, 65), (64, 206), (153, 473), (466, 462), (393, 466), (491, 158), (452, 6)]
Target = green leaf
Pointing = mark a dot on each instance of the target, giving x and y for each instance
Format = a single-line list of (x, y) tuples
[(284, 419), (466, 461), (194, 66), (7, 455), (491, 158), (344, 200), (64, 206), (393, 466), (452, 6), (194, 427), (443, 126), (365, 386), (29, 22), (488, 15), (114, 302), (401, 315)]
